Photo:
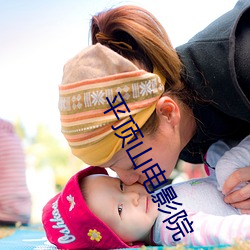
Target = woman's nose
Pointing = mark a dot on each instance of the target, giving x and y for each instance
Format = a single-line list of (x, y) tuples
[(129, 177)]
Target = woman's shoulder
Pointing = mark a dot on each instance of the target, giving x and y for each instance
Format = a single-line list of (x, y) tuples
[(209, 65)]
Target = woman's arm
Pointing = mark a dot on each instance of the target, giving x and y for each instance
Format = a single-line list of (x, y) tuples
[(240, 198), (233, 175)]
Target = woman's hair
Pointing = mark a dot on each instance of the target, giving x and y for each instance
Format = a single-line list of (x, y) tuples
[(137, 35)]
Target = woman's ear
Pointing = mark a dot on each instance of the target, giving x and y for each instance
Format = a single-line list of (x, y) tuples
[(168, 109)]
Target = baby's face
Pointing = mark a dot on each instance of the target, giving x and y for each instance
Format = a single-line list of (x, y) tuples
[(127, 210)]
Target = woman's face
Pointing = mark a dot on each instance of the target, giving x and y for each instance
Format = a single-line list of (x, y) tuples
[(166, 146), (165, 151), (175, 129)]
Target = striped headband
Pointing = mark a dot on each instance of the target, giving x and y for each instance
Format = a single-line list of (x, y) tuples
[(93, 75)]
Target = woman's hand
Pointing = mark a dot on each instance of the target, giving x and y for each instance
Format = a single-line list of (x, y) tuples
[(240, 198)]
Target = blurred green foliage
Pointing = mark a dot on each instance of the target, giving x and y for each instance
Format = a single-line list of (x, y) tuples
[(45, 150)]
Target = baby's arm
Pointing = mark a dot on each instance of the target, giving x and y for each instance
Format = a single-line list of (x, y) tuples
[(237, 157), (208, 230)]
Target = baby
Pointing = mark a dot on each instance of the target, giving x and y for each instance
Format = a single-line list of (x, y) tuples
[(93, 212), (96, 211)]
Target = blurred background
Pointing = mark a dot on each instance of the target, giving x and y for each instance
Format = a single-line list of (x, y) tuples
[(36, 39)]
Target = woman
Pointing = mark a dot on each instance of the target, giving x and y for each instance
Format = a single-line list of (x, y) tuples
[(206, 96)]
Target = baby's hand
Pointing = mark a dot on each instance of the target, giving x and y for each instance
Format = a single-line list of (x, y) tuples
[(240, 198)]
